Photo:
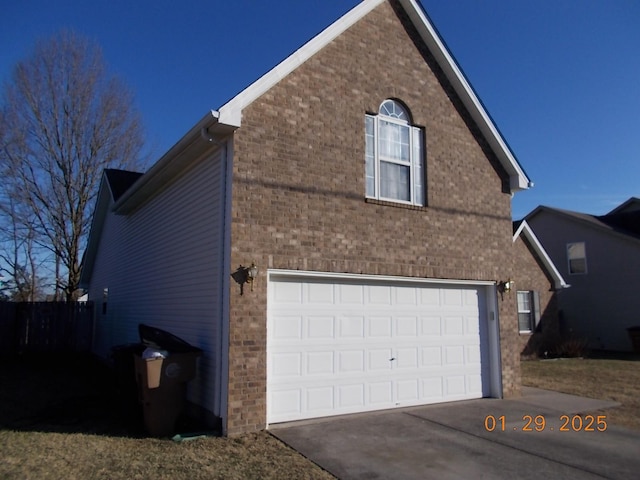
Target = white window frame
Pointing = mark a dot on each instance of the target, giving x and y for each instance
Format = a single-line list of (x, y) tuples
[(416, 162), (570, 259), (533, 311)]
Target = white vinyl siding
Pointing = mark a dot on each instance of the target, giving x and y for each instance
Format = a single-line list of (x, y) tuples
[(577, 258), (163, 267)]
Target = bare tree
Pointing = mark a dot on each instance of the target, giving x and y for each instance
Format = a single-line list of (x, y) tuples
[(20, 265), (63, 121)]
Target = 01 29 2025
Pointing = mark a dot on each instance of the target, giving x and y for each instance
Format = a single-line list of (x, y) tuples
[(538, 423)]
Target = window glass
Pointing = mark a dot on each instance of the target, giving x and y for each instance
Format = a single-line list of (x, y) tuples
[(370, 156), (394, 156), (394, 181), (577, 256), (525, 312)]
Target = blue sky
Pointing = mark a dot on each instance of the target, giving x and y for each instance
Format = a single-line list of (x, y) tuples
[(561, 78)]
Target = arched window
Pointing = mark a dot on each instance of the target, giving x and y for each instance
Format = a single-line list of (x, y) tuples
[(394, 155)]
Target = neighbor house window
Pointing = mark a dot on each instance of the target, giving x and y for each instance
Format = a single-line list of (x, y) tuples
[(105, 298), (528, 311), (577, 256), (394, 156)]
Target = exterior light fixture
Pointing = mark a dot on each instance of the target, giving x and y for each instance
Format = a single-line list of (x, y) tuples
[(245, 275), (505, 287), (252, 273)]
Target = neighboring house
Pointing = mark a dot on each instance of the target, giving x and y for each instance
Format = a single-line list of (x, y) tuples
[(366, 182), (536, 288), (600, 257)]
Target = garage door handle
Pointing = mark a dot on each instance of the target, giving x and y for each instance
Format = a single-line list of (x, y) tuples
[(392, 359)]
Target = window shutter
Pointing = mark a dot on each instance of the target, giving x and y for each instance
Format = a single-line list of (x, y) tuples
[(536, 309), (418, 170), (370, 153)]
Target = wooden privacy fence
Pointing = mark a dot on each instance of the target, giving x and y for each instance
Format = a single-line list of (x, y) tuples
[(45, 327)]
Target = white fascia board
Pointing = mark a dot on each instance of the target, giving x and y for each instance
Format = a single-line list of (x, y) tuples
[(525, 229), (518, 178), (274, 273), (231, 112), (171, 162)]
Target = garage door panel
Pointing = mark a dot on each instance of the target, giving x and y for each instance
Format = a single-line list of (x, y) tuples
[(431, 326), (350, 294), (350, 361), (320, 399), (350, 327), (380, 327), (379, 359), (351, 395), (320, 363), (431, 356), (320, 294), (321, 327), (336, 348), (453, 325), (380, 393), (287, 327), (287, 292), (287, 364), (406, 326), (379, 295)]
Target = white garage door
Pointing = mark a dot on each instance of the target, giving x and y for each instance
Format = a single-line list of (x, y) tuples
[(345, 346)]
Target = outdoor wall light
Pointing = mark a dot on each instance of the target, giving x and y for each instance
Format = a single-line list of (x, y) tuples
[(245, 275), (505, 287), (252, 273)]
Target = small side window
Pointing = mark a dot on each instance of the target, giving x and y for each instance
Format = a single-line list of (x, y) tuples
[(105, 297), (528, 311), (577, 258)]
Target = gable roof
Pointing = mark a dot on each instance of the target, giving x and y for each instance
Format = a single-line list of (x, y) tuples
[(119, 181), (625, 224), (231, 112), (631, 205), (218, 124), (113, 185), (522, 229)]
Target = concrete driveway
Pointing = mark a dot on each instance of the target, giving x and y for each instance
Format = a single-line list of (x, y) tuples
[(451, 441)]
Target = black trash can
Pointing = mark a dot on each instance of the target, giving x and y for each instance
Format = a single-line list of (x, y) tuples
[(124, 370), (162, 381), (634, 335)]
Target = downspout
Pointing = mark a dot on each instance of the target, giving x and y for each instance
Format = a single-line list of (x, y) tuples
[(222, 378)]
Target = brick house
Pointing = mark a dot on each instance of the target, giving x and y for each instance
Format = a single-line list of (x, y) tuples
[(535, 292), (365, 180)]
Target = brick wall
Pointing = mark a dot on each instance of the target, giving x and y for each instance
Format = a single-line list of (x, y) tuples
[(530, 275), (298, 191)]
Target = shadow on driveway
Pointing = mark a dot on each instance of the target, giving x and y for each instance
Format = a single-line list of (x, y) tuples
[(452, 441)]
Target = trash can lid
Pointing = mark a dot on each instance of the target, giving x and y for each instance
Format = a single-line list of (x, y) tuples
[(154, 337)]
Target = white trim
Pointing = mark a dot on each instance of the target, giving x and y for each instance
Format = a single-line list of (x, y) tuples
[(487, 288), (373, 278), (524, 227), (231, 112), (519, 180), (495, 356)]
